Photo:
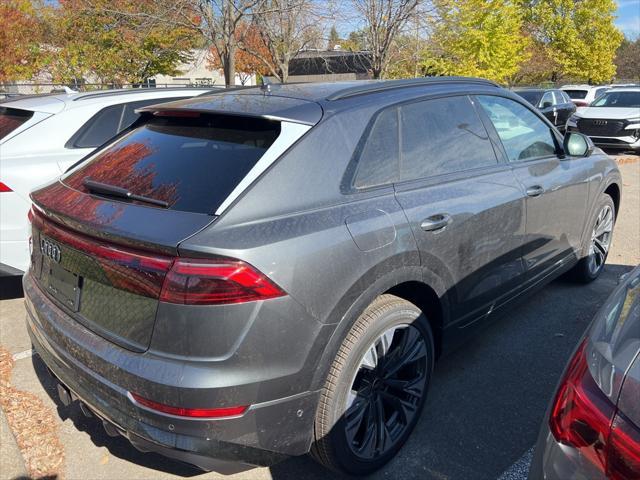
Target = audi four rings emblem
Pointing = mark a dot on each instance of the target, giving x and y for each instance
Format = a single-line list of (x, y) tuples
[(599, 122), (50, 249)]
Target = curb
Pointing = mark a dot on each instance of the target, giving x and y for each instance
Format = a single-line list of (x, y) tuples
[(11, 461)]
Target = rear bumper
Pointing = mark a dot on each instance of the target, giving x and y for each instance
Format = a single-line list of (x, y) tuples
[(554, 461), (98, 373)]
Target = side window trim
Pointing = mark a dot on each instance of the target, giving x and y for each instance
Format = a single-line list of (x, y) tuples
[(557, 141)]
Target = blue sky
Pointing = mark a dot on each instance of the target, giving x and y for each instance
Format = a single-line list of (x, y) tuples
[(629, 17)]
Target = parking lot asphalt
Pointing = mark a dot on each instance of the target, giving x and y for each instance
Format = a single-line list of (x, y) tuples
[(483, 413)]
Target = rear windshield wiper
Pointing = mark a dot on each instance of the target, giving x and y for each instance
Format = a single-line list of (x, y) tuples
[(114, 191)]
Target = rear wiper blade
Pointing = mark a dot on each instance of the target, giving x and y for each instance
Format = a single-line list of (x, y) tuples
[(114, 191)]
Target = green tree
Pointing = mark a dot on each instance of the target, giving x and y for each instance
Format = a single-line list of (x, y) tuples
[(356, 42), (481, 38), (334, 39), (108, 41), (579, 35)]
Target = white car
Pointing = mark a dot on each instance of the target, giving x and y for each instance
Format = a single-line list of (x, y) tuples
[(612, 121), (583, 95), (42, 136)]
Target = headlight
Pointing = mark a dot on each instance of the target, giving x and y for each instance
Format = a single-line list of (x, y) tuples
[(574, 118)]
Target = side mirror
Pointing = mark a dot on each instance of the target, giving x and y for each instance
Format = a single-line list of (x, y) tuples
[(577, 145), (546, 104)]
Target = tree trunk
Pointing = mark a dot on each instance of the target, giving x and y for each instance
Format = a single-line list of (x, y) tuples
[(229, 66), (284, 72)]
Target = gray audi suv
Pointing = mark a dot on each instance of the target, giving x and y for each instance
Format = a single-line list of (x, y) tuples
[(266, 272)]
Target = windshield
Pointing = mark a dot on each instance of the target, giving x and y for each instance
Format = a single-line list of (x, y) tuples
[(618, 99), (12, 118), (531, 96), (576, 94), (191, 163)]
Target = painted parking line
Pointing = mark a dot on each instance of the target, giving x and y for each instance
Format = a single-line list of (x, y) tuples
[(520, 469), (25, 354)]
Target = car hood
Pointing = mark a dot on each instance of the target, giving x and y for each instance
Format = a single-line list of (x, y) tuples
[(609, 113)]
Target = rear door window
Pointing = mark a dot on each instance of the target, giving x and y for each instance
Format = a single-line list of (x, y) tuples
[(192, 163), (110, 121), (11, 119), (442, 136)]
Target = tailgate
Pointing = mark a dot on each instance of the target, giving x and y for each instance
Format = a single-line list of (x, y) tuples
[(106, 265)]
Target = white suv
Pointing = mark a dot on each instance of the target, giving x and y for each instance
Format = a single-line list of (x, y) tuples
[(612, 121), (42, 136), (583, 95)]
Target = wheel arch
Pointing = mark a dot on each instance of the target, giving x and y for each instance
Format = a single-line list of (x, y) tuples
[(407, 283), (614, 191)]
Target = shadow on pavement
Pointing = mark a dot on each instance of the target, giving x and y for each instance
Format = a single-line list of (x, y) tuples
[(486, 399), (10, 287)]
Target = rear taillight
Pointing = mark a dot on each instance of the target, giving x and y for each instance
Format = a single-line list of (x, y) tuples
[(185, 281), (4, 188), (623, 450), (218, 281), (220, 412), (584, 418)]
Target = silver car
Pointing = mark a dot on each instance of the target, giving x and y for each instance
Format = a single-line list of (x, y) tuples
[(592, 427)]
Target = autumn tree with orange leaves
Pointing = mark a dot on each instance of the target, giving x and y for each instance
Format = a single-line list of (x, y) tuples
[(246, 64), (20, 40)]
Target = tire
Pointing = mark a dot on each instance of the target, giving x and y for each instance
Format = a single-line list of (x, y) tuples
[(590, 266), (390, 327)]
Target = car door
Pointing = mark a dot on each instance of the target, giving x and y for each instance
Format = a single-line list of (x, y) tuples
[(557, 188), (465, 208)]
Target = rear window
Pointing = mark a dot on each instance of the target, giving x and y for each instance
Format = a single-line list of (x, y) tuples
[(618, 99), (12, 118), (576, 94), (192, 163)]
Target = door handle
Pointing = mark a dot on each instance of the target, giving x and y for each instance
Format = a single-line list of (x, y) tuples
[(435, 222), (535, 191)]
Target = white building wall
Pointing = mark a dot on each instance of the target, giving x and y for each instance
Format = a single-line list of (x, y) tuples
[(197, 73)]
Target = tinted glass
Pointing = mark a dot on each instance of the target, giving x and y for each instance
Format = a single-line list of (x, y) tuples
[(12, 118), (192, 163), (110, 121), (100, 128), (600, 91), (378, 160), (576, 94), (129, 115), (531, 96), (523, 134), (558, 97), (618, 99), (547, 98), (442, 136)]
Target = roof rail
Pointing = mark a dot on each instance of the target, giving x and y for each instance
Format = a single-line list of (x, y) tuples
[(381, 86), (132, 91)]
